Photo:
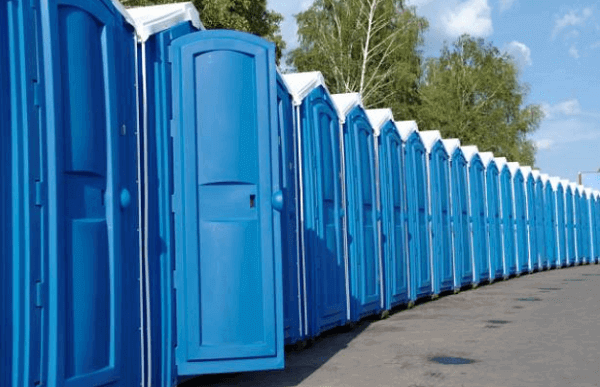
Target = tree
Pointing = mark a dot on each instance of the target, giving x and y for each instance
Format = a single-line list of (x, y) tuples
[(243, 15), (472, 92), (365, 46)]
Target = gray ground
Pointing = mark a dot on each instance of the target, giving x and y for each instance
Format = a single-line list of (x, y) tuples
[(536, 330)]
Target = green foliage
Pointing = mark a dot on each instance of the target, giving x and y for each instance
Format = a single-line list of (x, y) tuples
[(365, 46), (243, 15), (472, 92)]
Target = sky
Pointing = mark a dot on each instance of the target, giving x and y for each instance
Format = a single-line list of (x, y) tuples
[(556, 44)]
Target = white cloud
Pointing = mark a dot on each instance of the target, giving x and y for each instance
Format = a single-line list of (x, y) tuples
[(520, 53), (573, 52), (569, 107), (472, 17), (544, 143), (505, 5), (571, 19), (595, 45)]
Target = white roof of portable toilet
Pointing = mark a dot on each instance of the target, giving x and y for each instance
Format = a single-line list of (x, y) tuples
[(151, 20), (526, 171), (500, 162), (486, 157), (469, 151), (545, 178), (580, 189), (573, 187), (301, 84), (378, 118), (513, 166), (406, 128), (430, 138), (589, 192), (536, 173), (554, 182), (597, 194), (451, 145), (344, 103)]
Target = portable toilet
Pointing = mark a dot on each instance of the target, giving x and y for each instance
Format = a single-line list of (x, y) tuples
[(507, 221), (440, 232), (364, 258), (75, 305), (393, 207), (531, 218), (324, 266), (585, 223), (579, 224), (459, 195), (596, 223), (540, 233), (589, 193), (550, 222), (493, 213), (561, 234), (415, 174), (521, 221), (478, 215), (570, 222)]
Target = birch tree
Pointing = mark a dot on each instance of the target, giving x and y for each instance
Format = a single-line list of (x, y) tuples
[(472, 92), (365, 46)]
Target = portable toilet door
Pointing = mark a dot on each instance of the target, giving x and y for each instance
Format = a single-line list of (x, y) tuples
[(570, 223), (531, 218), (393, 208), (415, 162), (478, 216), (493, 210), (589, 204), (507, 221), (459, 199), (585, 222), (91, 308), (521, 226), (440, 232), (561, 234), (293, 329), (156, 27), (321, 190), (578, 221), (365, 266), (227, 198), (596, 221), (540, 231), (550, 222)]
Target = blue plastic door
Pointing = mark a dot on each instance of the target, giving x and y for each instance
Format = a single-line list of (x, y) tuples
[(440, 204), (93, 336), (532, 223), (478, 215), (226, 192), (460, 203), (550, 225), (508, 222), (493, 208), (540, 222), (521, 229), (561, 226), (570, 227)]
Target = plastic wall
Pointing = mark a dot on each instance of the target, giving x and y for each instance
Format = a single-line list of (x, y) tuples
[(481, 267), (540, 224), (570, 220), (460, 220), (508, 222), (561, 225), (550, 225), (494, 223)]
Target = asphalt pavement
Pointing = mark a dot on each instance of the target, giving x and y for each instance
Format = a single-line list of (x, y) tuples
[(541, 329)]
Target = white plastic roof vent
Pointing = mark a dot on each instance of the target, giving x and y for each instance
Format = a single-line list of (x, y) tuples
[(406, 128), (301, 84), (487, 158), (451, 145), (378, 118), (470, 151), (430, 138), (513, 167), (345, 103), (148, 21)]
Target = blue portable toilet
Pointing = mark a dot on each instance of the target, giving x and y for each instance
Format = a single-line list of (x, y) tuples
[(540, 222), (156, 28), (579, 224), (459, 199), (324, 274), (507, 217), (364, 258), (440, 231), (75, 305), (415, 174), (521, 226), (570, 223), (561, 235), (393, 207), (550, 222), (227, 200), (477, 214), (493, 213), (589, 205), (531, 217), (596, 225), (585, 222)]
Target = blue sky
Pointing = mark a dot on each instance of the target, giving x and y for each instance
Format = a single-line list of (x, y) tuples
[(556, 44)]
